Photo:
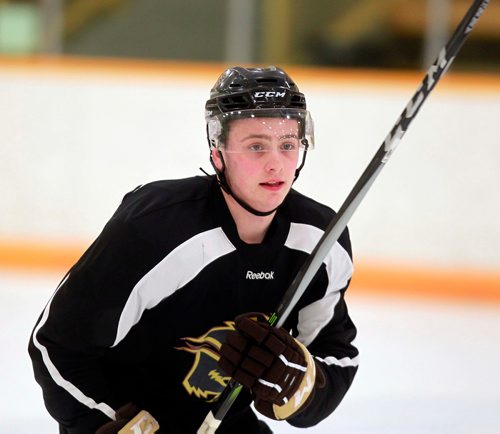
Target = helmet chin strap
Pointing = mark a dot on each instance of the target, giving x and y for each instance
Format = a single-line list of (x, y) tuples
[(221, 179)]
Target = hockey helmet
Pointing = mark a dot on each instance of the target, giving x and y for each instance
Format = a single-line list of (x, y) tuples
[(255, 92), (252, 93)]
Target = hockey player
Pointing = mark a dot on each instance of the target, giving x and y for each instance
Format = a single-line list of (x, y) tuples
[(170, 301)]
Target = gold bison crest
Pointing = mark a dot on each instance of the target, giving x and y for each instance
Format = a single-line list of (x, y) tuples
[(205, 380)]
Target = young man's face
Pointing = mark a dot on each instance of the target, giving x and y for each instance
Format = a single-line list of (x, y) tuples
[(261, 155)]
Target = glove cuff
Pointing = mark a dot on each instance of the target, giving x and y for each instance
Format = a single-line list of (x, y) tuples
[(143, 422), (301, 396)]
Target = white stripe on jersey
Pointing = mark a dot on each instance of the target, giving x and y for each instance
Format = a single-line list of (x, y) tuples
[(343, 362), (56, 375), (174, 271), (339, 268)]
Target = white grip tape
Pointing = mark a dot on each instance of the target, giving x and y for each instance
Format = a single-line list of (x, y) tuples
[(209, 425)]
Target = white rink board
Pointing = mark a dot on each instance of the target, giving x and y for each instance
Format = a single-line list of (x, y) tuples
[(71, 147)]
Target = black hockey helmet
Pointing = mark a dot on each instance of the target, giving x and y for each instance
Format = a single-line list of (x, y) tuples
[(254, 92), (253, 88)]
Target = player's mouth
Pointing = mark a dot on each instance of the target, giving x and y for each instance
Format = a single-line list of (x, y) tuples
[(272, 185)]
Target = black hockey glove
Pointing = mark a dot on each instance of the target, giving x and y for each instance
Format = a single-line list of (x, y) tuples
[(278, 369), (130, 420)]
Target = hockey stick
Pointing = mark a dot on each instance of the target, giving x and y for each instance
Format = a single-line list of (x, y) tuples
[(340, 220)]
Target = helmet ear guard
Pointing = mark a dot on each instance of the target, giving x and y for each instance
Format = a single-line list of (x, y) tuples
[(214, 130)]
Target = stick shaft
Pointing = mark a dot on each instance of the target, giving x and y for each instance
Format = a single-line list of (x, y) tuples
[(340, 220), (358, 192)]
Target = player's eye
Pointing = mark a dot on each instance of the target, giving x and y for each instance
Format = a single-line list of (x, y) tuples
[(256, 147), (288, 146)]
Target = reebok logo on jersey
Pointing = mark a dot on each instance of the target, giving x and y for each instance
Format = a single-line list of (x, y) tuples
[(260, 276)]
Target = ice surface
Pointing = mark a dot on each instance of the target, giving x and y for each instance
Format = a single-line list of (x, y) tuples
[(426, 367)]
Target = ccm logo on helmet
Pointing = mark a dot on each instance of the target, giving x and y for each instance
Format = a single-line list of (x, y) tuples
[(259, 276), (269, 94)]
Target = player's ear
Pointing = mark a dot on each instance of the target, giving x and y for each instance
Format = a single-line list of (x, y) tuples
[(217, 158)]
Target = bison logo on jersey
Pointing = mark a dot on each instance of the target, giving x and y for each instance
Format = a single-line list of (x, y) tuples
[(205, 380)]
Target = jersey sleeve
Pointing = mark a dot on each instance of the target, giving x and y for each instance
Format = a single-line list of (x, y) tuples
[(78, 324), (327, 330)]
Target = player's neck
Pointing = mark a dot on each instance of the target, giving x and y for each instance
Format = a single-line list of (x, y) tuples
[(251, 228)]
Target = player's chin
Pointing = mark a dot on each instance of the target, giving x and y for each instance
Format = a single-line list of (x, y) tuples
[(275, 199)]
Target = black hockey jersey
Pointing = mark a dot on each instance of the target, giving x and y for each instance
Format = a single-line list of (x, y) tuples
[(140, 317)]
